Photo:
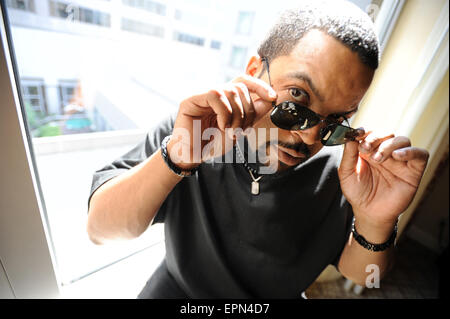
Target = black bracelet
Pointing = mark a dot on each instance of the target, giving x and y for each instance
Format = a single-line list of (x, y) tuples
[(170, 164), (373, 247)]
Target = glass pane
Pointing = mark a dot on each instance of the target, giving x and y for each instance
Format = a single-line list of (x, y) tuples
[(131, 62), (149, 5), (215, 44), (21, 4), (238, 56), (245, 22), (68, 91), (35, 102), (30, 90)]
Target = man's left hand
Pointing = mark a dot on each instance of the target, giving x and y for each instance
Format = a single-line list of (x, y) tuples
[(380, 175)]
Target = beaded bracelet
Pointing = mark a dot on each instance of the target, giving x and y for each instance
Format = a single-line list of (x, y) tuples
[(373, 247), (170, 164)]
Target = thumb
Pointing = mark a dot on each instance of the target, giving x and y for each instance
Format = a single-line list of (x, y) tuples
[(349, 160)]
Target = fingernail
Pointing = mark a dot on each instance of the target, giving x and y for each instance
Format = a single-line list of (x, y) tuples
[(377, 157), (400, 153), (365, 147), (272, 93)]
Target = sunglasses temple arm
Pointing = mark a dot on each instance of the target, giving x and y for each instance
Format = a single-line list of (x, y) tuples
[(266, 66)]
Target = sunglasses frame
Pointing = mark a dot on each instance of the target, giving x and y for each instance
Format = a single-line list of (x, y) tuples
[(332, 134)]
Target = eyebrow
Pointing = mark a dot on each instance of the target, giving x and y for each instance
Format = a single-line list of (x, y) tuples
[(348, 112), (305, 77)]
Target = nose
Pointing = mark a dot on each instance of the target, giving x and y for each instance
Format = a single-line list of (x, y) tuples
[(309, 136)]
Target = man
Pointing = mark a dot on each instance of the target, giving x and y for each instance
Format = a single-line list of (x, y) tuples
[(233, 232)]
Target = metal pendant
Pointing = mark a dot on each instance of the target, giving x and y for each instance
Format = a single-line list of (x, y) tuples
[(255, 188)]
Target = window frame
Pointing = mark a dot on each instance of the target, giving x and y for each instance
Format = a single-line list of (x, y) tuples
[(29, 5), (386, 20), (40, 84), (79, 14), (24, 235), (63, 84)]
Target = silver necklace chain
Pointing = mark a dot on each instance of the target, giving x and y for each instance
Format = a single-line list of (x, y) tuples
[(255, 184), (242, 157)]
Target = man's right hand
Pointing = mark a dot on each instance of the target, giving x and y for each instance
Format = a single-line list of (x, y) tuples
[(125, 206), (238, 104)]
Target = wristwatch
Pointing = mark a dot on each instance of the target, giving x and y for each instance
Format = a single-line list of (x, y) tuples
[(370, 246), (170, 164)]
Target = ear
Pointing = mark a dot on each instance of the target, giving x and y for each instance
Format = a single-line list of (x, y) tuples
[(254, 66)]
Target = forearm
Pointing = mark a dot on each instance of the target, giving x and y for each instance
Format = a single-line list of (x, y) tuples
[(123, 207), (355, 258)]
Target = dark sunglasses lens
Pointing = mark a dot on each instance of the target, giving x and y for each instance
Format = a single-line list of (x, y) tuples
[(337, 134), (293, 116)]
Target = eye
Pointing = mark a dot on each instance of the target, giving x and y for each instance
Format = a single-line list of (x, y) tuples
[(299, 95)]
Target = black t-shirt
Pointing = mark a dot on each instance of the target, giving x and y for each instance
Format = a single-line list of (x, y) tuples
[(223, 242)]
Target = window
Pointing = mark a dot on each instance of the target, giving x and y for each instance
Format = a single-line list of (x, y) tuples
[(215, 44), (67, 93), (73, 12), (188, 38), (142, 27), (245, 22), (178, 14), (238, 56), (25, 5), (74, 119), (148, 5), (191, 17), (33, 95)]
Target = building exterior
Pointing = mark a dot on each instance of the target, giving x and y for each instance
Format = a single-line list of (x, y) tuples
[(122, 64), (103, 65)]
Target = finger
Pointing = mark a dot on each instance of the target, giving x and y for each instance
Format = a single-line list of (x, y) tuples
[(372, 141), (258, 86), (249, 110), (411, 154), (212, 102), (386, 148), (349, 159), (238, 115), (362, 134), (263, 90), (218, 102)]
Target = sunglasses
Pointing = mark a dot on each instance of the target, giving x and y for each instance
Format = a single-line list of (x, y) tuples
[(291, 116)]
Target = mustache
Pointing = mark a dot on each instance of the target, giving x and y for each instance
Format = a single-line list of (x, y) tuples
[(298, 147)]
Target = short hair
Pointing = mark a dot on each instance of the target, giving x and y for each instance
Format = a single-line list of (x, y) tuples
[(341, 19)]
